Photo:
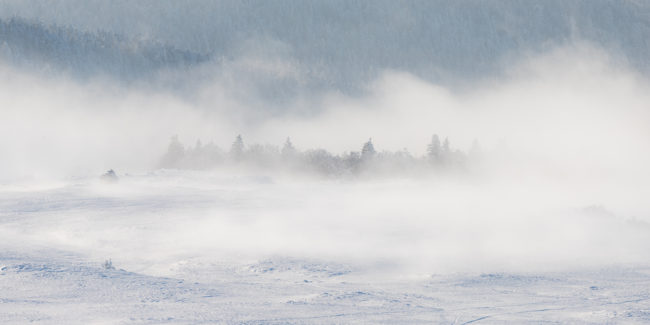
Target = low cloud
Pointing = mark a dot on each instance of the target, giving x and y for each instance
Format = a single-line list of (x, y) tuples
[(563, 183)]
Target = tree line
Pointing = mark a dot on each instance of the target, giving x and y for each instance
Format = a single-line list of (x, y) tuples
[(439, 156)]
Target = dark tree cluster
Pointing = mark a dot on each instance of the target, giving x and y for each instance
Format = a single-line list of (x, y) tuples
[(439, 156), (84, 54)]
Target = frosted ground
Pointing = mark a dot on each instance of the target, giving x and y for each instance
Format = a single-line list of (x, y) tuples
[(548, 222), (206, 247)]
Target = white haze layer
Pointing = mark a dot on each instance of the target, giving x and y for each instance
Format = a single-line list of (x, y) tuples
[(563, 182)]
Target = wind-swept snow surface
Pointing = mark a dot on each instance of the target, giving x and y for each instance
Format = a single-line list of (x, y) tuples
[(55, 290), (192, 247)]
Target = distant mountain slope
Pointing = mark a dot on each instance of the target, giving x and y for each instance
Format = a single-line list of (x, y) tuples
[(342, 44), (38, 47)]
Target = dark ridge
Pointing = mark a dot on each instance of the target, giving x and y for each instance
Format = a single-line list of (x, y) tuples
[(57, 49)]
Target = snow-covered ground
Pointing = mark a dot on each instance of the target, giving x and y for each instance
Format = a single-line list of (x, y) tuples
[(207, 247), (66, 289)]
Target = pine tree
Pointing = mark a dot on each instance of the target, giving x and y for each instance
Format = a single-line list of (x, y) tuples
[(368, 150), (447, 155), (288, 150), (237, 148), (434, 150), (175, 154)]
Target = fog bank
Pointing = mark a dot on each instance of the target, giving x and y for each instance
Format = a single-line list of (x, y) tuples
[(573, 112)]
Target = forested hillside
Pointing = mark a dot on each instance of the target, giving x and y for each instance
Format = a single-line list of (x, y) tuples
[(50, 48), (343, 44)]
